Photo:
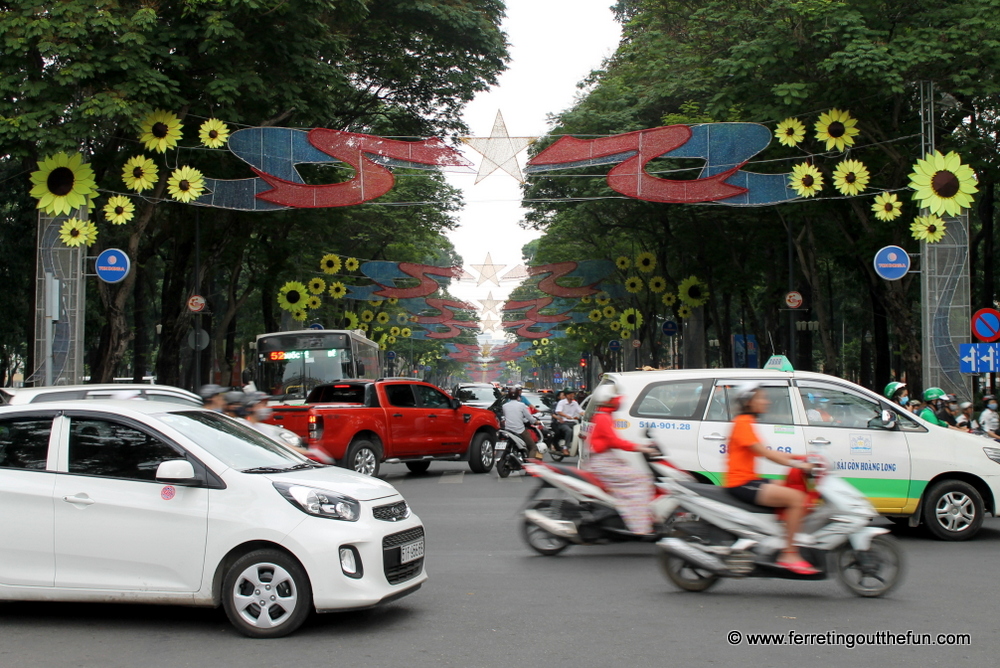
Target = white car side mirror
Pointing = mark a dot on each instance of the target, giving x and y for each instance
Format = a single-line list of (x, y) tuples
[(175, 470)]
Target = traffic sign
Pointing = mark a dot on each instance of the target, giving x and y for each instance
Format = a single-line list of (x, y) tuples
[(614, 345), (670, 328), (112, 266), (793, 299), (391, 355), (197, 339), (636, 343), (557, 379), (978, 357), (986, 324), (315, 325), (892, 263), (196, 303)]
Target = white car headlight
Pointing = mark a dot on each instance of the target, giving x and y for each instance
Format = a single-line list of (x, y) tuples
[(320, 502)]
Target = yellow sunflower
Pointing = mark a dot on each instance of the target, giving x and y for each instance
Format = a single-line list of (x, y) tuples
[(330, 264), (693, 292), (595, 315), (119, 210), (684, 311), (186, 184), (887, 207), (317, 286), (545, 342), (292, 296), (805, 180), (352, 320), (609, 311), (89, 233), (374, 302), (382, 318), (626, 333), (314, 302), (645, 262), (837, 129), (631, 319), (394, 331), (363, 327), (669, 299), (391, 340), (535, 343), (943, 184), (586, 299), (615, 326), (337, 290), (300, 315), (62, 183), (623, 263), (367, 316), (850, 177), (351, 264), (603, 299), (633, 284), (570, 331), (213, 133), (402, 318), (140, 173), (405, 332), (790, 132), (928, 228), (393, 301), (657, 284), (72, 232), (382, 346), (160, 130)]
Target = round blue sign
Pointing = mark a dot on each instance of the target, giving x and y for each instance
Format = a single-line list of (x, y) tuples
[(391, 355), (315, 325), (614, 345), (892, 263), (112, 266), (670, 328)]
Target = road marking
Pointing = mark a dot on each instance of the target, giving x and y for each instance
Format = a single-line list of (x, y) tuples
[(452, 476)]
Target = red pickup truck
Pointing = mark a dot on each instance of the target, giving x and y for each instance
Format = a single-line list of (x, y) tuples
[(359, 424)]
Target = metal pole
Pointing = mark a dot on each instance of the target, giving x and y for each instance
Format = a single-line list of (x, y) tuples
[(50, 310), (791, 286), (197, 285)]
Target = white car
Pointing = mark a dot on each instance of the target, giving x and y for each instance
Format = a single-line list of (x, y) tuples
[(912, 471), (147, 502), (110, 391)]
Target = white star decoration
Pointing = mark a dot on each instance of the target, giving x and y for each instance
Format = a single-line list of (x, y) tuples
[(489, 304), (490, 323), (488, 271), (499, 151)]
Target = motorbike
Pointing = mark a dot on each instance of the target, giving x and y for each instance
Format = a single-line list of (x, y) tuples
[(570, 447), (718, 536), (512, 450)]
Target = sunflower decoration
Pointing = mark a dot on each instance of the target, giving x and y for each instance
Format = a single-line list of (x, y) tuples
[(89, 233), (603, 299), (546, 341), (314, 302), (63, 183), (851, 177), (213, 133), (299, 315), (790, 132), (626, 333), (394, 331), (352, 320), (367, 316), (623, 262), (615, 326), (161, 130), (943, 184), (382, 318), (586, 299), (72, 232), (186, 184), (119, 210), (633, 284), (393, 301), (631, 319), (887, 207), (330, 263), (837, 129), (337, 290), (609, 311), (928, 228), (645, 262), (668, 299), (374, 302), (391, 340), (570, 331), (657, 284), (140, 173), (402, 318), (693, 292), (595, 315), (684, 311), (805, 179), (292, 296), (405, 332), (535, 343), (351, 264), (363, 327), (317, 286)]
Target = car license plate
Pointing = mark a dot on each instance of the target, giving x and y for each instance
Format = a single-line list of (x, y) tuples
[(411, 551)]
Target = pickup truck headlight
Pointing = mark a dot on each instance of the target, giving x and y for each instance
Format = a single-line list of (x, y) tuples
[(993, 453), (320, 502)]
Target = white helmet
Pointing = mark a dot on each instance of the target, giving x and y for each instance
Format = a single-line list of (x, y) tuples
[(743, 393), (604, 393)]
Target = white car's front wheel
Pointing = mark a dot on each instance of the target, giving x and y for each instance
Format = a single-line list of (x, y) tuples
[(953, 510), (266, 594)]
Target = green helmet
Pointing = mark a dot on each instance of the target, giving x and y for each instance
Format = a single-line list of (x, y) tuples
[(892, 388), (933, 393)]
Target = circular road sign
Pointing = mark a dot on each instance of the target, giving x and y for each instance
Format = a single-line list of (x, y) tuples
[(391, 355), (112, 266), (614, 345), (636, 343), (986, 325), (793, 299), (197, 339), (315, 325), (670, 328), (196, 303), (892, 263)]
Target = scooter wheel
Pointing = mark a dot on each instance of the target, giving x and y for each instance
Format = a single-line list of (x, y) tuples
[(556, 457), (503, 468), (873, 572), (540, 540), (684, 575)]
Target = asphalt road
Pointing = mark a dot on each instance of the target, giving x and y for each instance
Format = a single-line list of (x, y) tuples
[(491, 602)]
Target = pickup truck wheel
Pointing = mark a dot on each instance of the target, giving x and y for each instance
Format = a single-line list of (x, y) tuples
[(418, 467), (363, 457), (481, 453)]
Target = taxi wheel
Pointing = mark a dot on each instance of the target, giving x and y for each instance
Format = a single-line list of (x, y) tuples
[(266, 594), (953, 510), (481, 453), (363, 456)]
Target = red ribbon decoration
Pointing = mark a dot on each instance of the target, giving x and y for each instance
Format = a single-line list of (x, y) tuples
[(630, 177), (446, 319), (557, 270), (422, 273)]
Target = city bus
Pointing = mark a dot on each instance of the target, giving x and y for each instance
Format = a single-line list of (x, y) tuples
[(290, 364)]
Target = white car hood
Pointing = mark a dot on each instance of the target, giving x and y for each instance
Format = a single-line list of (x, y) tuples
[(355, 485)]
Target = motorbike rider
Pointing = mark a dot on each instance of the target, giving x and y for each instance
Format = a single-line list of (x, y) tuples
[(897, 392), (212, 397), (632, 489), (515, 417), (989, 419), (743, 482), (568, 413), (935, 399)]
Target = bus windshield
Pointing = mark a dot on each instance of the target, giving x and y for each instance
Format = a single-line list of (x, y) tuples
[(290, 365)]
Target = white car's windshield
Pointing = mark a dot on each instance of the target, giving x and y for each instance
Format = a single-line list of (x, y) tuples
[(235, 444)]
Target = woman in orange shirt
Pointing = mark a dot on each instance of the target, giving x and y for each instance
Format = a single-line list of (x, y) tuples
[(743, 482)]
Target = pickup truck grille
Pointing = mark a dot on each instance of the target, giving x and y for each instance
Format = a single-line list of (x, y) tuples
[(396, 572), (393, 512)]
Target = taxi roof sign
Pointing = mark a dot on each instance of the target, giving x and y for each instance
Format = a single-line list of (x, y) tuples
[(779, 363)]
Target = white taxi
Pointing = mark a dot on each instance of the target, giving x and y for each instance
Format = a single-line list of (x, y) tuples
[(148, 502), (911, 471)]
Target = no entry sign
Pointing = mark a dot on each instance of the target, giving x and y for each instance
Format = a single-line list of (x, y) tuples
[(986, 325)]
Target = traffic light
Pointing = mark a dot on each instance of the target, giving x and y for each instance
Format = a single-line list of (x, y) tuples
[(583, 362)]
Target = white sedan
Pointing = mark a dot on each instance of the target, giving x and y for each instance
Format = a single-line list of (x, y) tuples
[(145, 502)]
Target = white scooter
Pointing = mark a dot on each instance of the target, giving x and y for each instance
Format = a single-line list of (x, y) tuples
[(714, 535)]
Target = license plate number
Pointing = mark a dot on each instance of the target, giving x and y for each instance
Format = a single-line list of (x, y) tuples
[(411, 551)]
